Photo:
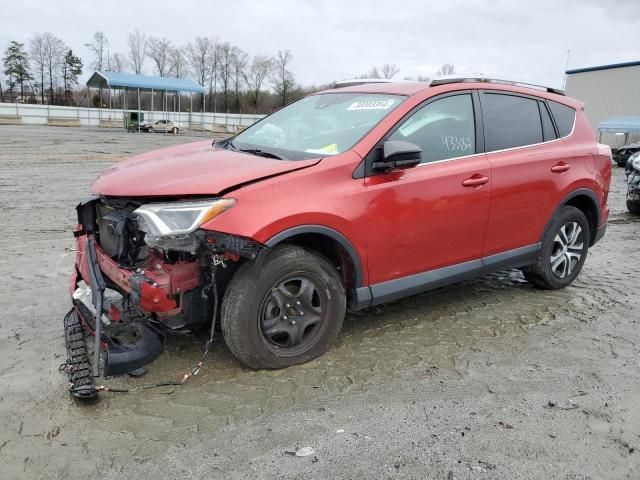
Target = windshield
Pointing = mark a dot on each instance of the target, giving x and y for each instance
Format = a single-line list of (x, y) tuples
[(318, 125)]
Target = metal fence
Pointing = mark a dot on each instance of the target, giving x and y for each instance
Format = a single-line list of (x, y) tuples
[(28, 114), (617, 140)]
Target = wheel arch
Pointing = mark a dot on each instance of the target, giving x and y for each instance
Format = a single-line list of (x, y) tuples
[(330, 243), (585, 200)]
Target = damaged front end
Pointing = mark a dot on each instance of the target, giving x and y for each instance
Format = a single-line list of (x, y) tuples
[(143, 269)]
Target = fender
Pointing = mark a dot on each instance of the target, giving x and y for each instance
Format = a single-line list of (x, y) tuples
[(329, 232), (575, 193)]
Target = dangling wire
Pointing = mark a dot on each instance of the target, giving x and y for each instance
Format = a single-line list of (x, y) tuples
[(192, 372)]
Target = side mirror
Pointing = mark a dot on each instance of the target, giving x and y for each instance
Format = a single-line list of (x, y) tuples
[(398, 154)]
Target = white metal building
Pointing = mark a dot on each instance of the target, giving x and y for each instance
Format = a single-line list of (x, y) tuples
[(608, 91)]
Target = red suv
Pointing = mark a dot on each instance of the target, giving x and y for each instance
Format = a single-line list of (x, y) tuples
[(347, 198)]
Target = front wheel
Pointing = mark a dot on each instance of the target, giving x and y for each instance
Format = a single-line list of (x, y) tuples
[(563, 252), (288, 312)]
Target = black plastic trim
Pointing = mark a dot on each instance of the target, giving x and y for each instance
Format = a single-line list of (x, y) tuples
[(125, 358), (425, 281), (576, 193), (329, 232), (599, 234)]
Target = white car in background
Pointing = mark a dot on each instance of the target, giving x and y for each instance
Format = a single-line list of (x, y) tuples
[(164, 126)]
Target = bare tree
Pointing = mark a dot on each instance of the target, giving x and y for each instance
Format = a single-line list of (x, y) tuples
[(261, 67), (54, 51), (240, 61), (158, 50), (99, 45), (225, 70), (446, 69), (117, 63), (388, 70), (38, 57), (372, 73), (198, 54), (213, 62), (282, 78), (178, 63), (137, 42)]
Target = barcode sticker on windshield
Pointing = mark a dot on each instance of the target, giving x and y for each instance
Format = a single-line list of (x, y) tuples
[(371, 105)]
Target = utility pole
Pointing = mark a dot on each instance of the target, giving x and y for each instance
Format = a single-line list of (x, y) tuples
[(566, 67)]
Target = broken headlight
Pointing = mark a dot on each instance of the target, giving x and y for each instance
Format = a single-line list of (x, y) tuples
[(171, 225)]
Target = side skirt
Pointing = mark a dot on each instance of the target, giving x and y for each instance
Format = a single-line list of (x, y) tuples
[(425, 281)]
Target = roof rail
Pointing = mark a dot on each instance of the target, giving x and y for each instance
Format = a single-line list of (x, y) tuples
[(484, 79), (364, 81)]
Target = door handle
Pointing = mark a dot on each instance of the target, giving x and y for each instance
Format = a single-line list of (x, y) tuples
[(560, 167), (475, 181)]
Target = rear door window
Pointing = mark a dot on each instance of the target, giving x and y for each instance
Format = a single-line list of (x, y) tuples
[(564, 116), (510, 121)]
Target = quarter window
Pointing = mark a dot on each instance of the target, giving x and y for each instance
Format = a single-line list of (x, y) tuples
[(564, 116), (510, 121), (443, 129)]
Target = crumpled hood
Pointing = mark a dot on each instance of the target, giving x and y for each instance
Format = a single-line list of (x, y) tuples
[(190, 169)]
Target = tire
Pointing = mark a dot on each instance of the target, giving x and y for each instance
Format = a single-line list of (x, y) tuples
[(150, 130), (633, 207), (263, 312), (174, 130), (557, 240)]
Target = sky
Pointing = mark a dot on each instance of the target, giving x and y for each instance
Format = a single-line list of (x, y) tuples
[(334, 40)]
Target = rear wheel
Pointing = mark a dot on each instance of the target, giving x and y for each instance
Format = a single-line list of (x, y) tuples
[(288, 312), (564, 250), (174, 130)]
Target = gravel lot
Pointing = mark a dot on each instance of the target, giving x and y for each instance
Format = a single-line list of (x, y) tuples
[(485, 379)]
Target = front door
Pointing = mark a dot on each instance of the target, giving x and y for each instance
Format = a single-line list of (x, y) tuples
[(435, 214)]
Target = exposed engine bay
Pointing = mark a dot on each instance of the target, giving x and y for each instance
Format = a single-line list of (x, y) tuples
[(143, 270)]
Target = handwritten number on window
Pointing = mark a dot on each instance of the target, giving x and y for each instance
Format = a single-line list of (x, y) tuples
[(456, 144)]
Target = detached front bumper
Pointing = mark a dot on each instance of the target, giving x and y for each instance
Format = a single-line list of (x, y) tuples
[(155, 288), (155, 291)]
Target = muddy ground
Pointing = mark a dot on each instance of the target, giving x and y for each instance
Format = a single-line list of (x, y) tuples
[(485, 379)]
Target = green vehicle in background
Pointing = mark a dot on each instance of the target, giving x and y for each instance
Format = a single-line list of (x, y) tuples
[(133, 121)]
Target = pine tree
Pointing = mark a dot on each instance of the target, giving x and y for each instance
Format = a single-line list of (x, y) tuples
[(71, 70), (16, 63)]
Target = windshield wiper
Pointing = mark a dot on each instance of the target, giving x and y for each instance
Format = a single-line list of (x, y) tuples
[(260, 153), (252, 151)]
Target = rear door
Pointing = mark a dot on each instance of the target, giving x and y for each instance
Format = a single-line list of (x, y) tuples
[(526, 168), (435, 214)]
